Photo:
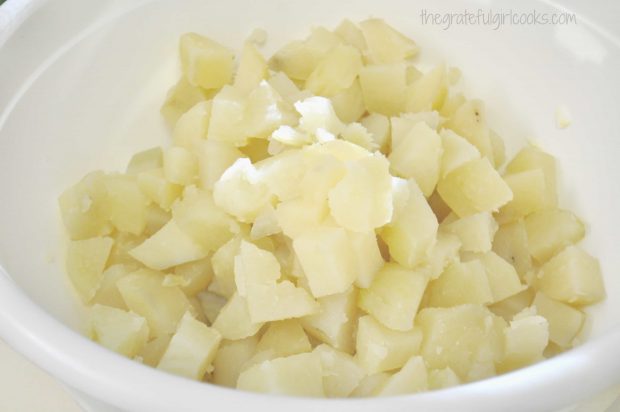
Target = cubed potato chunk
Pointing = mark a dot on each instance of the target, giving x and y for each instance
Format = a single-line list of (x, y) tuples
[(474, 187), (230, 358), (503, 278), (514, 304), (254, 267), (227, 117), (234, 322), (428, 91), (368, 259), (318, 118), (145, 161), (385, 44), (123, 332), (381, 349), (192, 127), (211, 304), (357, 134), (162, 192), (511, 244), (265, 111), (349, 103), (411, 378), (161, 306), (336, 71), (205, 63), (180, 166), (195, 276), (252, 68), (533, 158), (350, 34), (191, 350), (476, 232), (297, 375), (383, 88), (125, 203), (280, 301), (284, 338), (445, 252), (298, 216), (550, 231), (456, 151), (86, 261), (572, 276), (214, 157), (530, 195), (525, 340), (394, 296), (107, 292), (442, 379), (152, 352), (341, 374), (565, 322), (223, 263), (180, 98), (469, 121), (461, 283), (370, 385), (378, 126)]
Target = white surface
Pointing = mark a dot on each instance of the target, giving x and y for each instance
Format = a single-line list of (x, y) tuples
[(91, 82)]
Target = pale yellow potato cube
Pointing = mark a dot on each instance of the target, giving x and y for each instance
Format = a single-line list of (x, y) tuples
[(412, 232), (253, 267), (460, 337), (284, 338), (265, 111), (349, 103), (383, 87), (158, 253), (192, 127), (511, 244), (456, 151), (411, 378), (297, 375), (156, 218), (367, 255), (230, 358), (191, 349), (298, 216), (283, 172), (125, 204), (451, 104), (498, 148), (370, 384), (211, 305), (161, 306), (280, 301), (461, 283), (159, 190), (196, 276), (442, 378), (336, 71), (367, 185), (476, 232), (252, 68), (287, 88), (205, 62), (549, 231), (385, 44), (469, 121), (379, 127), (180, 98), (341, 374), (380, 349), (327, 260), (234, 322), (318, 117), (445, 252), (334, 322), (107, 292), (152, 352), (572, 276), (503, 278), (145, 161), (565, 322), (180, 166), (418, 155), (227, 117), (339, 150), (123, 332), (214, 157), (474, 187), (428, 91), (357, 134), (524, 340), (350, 34), (240, 191), (123, 244), (530, 195), (394, 296), (402, 125), (514, 304), (86, 260), (223, 262), (265, 224), (532, 158)]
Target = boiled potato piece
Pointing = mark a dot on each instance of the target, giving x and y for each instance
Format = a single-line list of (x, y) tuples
[(383, 87), (192, 126), (284, 338), (227, 117), (252, 68), (445, 252), (145, 161), (298, 216), (461, 283), (357, 134), (214, 157), (280, 301), (180, 166), (525, 340), (223, 263), (158, 189), (107, 292), (530, 195), (211, 305), (370, 385), (503, 278), (469, 121), (125, 204), (509, 307), (475, 232), (378, 126), (385, 44), (341, 374), (411, 378), (336, 71), (533, 158), (565, 322), (86, 261), (233, 321), (428, 91), (368, 259), (442, 378), (254, 267), (549, 231), (191, 349), (265, 110), (456, 151), (318, 118), (230, 358), (511, 244), (196, 276), (350, 34), (181, 97), (123, 332), (349, 103), (205, 63), (152, 352)]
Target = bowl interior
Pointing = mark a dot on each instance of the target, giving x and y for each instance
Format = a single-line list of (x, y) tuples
[(91, 99)]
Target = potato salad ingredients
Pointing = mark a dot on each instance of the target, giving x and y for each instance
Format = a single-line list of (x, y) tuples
[(334, 221)]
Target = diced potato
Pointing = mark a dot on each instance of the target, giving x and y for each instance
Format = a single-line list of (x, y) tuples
[(192, 127), (125, 204), (180, 166), (196, 276), (525, 340), (298, 216), (357, 134), (123, 332), (334, 322), (341, 374), (157, 254), (412, 232), (530, 195), (549, 231), (475, 232), (145, 161), (383, 87), (161, 306), (370, 385), (265, 111), (86, 260), (439, 207), (211, 304), (572, 276), (326, 276), (156, 218), (385, 44), (287, 88), (442, 378), (565, 322), (474, 187), (159, 190), (230, 358), (240, 192), (280, 301), (318, 117), (223, 262), (205, 63), (418, 156), (378, 126), (252, 68), (451, 104), (107, 292), (381, 349), (283, 172), (469, 121), (349, 103), (456, 151), (191, 350), (335, 72), (123, 244), (532, 158), (411, 378), (234, 322), (498, 148), (214, 157), (265, 224), (394, 296), (503, 278), (461, 283), (511, 244), (459, 337), (284, 338), (254, 267), (181, 97), (227, 117), (429, 91), (367, 185), (350, 34), (445, 252), (368, 259), (152, 352)]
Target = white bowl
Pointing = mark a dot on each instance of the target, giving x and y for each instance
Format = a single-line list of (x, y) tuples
[(80, 88)]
